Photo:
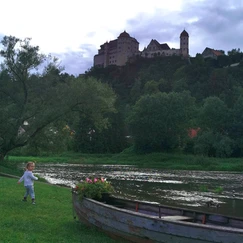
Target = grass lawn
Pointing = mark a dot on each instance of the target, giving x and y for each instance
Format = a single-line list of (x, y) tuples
[(50, 220)]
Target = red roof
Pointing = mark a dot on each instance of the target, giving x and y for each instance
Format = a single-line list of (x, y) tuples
[(217, 53)]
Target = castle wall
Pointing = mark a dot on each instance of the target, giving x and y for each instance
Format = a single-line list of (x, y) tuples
[(118, 51), (99, 60), (154, 53)]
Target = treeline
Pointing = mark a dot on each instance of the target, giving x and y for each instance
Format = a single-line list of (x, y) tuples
[(147, 105), (162, 99)]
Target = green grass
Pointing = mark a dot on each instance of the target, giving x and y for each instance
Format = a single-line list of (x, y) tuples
[(169, 161), (50, 220)]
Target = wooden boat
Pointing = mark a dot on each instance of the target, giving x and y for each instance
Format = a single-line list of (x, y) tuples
[(143, 222)]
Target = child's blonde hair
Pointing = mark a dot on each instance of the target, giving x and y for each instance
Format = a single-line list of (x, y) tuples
[(29, 164)]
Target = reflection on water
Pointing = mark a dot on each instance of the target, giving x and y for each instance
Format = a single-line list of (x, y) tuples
[(177, 188)]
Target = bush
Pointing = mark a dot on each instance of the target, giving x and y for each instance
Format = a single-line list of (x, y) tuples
[(93, 188)]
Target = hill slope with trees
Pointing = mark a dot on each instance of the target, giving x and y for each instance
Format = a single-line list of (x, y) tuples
[(161, 99), (148, 105)]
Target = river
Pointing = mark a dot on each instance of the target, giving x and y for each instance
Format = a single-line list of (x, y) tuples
[(189, 189)]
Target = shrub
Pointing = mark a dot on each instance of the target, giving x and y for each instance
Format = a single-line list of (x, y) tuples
[(93, 187)]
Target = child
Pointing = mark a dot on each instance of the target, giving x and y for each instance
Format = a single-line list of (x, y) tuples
[(28, 179)]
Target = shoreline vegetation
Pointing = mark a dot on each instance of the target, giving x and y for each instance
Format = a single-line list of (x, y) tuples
[(165, 161)]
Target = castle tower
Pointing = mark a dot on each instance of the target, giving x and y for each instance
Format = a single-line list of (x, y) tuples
[(127, 46), (184, 44)]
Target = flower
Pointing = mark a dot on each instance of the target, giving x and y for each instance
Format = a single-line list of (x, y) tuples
[(93, 187)]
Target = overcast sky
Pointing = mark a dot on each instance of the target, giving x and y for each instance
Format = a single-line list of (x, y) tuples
[(73, 30)]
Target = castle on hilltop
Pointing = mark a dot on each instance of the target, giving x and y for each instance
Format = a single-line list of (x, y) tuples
[(118, 51)]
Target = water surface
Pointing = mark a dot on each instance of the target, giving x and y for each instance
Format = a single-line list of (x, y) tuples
[(177, 188)]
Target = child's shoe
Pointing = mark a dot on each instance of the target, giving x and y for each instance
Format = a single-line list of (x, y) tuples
[(24, 200), (33, 201)]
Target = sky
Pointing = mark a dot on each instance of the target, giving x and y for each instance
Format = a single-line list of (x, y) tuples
[(73, 30)]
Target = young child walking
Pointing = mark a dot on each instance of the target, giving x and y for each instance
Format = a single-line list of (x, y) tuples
[(29, 179)]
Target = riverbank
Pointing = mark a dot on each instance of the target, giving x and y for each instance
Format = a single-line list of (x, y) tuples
[(50, 220), (167, 161)]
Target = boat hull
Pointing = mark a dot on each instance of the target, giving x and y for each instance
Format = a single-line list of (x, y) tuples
[(148, 223)]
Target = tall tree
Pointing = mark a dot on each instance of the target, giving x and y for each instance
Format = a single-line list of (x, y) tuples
[(213, 120), (214, 115), (159, 122), (30, 101)]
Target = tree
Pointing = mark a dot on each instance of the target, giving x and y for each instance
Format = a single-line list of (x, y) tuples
[(151, 87), (236, 126), (213, 139), (159, 122), (30, 101), (215, 144), (135, 91), (234, 51), (214, 115), (54, 138)]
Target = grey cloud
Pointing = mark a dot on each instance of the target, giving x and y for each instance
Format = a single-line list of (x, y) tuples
[(217, 24), (77, 62)]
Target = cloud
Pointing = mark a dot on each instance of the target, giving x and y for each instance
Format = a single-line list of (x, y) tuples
[(77, 62), (74, 33), (216, 24)]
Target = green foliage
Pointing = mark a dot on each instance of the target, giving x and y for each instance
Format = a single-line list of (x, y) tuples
[(135, 91), (93, 188), (236, 126), (213, 144), (96, 123), (214, 115), (151, 87), (28, 102), (214, 120), (219, 190), (155, 127), (130, 157), (215, 84), (53, 139), (203, 188), (36, 106), (32, 104)]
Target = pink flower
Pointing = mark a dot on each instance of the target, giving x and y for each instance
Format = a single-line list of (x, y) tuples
[(95, 180), (89, 180), (102, 179)]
